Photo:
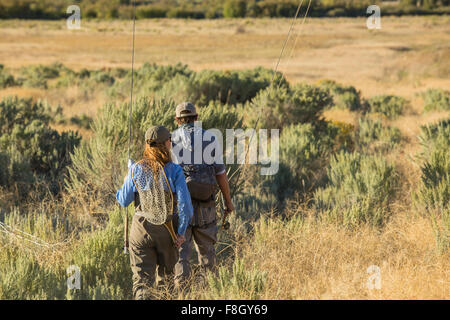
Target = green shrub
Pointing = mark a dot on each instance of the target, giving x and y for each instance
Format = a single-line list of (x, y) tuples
[(234, 9), (182, 84), (390, 106), (343, 135), (24, 278), (435, 136), (36, 76), (31, 149), (82, 121), (372, 136), (284, 106), (359, 190), (238, 283), (436, 100), (434, 192), (230, 87), (268, 8), (150, 78), (6, 80), (303, 157), (105, 270), (151, 12), (220, 116), (184, 13), (343, 97), (103, 77)]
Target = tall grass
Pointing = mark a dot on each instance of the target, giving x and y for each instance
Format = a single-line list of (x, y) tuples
[(34, 272)]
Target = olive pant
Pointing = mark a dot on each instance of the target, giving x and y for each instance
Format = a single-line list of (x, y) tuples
[(151, 250), (203, 233)]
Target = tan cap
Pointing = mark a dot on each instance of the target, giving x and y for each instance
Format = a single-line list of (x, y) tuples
[(157, 134), (185, 109)]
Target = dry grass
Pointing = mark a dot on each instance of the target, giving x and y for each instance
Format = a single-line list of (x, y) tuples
[(314, 260)]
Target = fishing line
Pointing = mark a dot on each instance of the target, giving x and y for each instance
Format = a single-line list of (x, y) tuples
[(272, 82)]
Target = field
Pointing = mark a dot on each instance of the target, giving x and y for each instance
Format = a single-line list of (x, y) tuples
[(308, 242)]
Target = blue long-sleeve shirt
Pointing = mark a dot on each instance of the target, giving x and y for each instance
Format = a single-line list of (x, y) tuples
[(177, 182)]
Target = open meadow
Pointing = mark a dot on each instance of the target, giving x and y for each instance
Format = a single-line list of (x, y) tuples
[(364, 179)]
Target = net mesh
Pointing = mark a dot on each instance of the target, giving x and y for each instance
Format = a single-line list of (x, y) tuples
[(155, 194)]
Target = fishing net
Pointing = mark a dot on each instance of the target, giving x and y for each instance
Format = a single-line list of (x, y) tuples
[(155, 194)]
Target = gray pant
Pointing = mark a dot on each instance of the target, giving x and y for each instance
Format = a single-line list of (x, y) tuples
[(203, 233), (151, 251)]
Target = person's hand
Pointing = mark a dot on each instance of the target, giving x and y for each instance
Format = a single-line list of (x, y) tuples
[(125, 179), (180, 240), (229, 208)]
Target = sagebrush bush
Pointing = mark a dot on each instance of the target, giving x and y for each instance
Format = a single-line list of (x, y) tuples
[(24, 278), (83, 121), (435, 136), (304, 154), (6, 80), (150, 78), (390, 106), (359, 191), (104, 269), (219, 116), (436, 100), (373, 136), (176, 82), (343, 135), (280, 107), (239, 282), (344, 97), (234, 9), (151, 12), (231, 87), (31, 150), (434, 192), (37, 76), (180, 83)]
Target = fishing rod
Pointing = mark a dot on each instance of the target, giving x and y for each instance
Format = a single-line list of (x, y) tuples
[(126, 242)]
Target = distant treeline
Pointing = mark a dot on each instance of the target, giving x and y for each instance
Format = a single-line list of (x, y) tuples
[(212, 9)]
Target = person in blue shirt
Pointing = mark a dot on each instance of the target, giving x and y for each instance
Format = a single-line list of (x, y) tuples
[(158, 187)]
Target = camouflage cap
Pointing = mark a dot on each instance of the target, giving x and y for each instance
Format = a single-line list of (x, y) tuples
[(185, 109), (157, 134)]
